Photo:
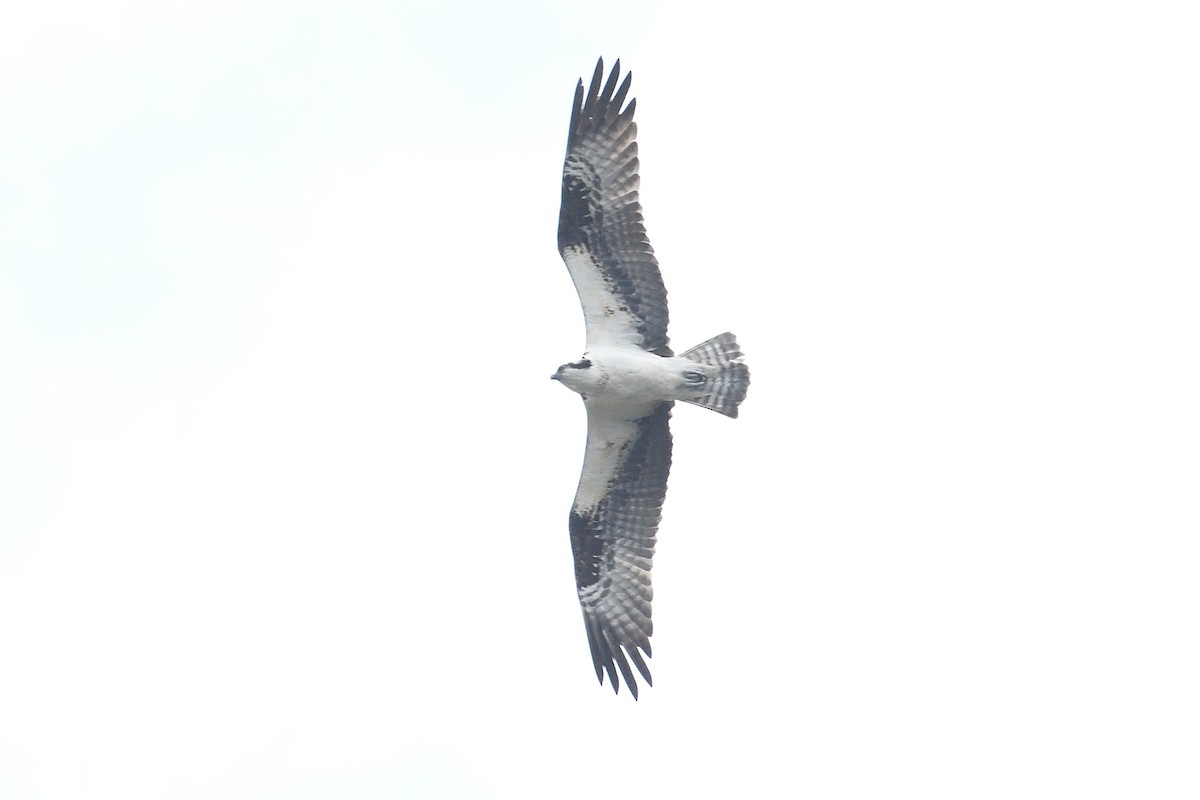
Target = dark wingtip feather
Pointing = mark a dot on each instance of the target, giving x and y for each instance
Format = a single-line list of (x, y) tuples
[(619, 97), (618, 654), (641, 666), (593, 94), (611, 85), (611, 669)]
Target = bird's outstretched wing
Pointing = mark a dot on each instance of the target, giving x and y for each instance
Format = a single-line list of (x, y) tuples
[(613, 525), (600, 231)]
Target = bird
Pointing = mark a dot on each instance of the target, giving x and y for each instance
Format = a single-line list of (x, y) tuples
[(629, 378)]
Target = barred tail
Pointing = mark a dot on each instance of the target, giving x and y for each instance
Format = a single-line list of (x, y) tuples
[(726, 389)]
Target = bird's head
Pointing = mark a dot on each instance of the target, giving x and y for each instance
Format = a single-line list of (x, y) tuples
[(577, 375)]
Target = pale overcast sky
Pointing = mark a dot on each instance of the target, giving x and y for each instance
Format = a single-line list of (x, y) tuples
[(284, 483)]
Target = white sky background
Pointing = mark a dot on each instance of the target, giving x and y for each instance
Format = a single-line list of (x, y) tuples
[(284, 483)]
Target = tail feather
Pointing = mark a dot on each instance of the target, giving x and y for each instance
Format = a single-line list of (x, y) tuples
[(725, 390)]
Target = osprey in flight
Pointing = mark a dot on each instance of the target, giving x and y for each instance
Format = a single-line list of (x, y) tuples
[(628, 378)]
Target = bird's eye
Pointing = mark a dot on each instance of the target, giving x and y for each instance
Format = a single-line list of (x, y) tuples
[(584, 364)]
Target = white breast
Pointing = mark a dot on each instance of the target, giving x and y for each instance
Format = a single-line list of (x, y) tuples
[(630, 375)]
